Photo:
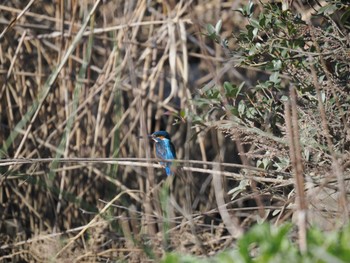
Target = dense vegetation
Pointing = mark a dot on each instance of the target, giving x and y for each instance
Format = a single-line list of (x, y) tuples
[(255, 95)]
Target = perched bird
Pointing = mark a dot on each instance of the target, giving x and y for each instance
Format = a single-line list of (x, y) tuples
[(164, 149)]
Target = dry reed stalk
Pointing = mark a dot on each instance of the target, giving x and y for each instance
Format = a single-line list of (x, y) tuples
[(231, 222), (296, 159), (14, 21), (336, 165), (143, 162), (90, 223)]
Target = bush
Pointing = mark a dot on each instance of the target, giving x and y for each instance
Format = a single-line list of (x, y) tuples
[(290, 53), (265, 243)]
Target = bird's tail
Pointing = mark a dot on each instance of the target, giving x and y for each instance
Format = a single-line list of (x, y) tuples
[(168, 170)]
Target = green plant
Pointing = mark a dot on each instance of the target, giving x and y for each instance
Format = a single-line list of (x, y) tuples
[(266, 243), (289, 52)]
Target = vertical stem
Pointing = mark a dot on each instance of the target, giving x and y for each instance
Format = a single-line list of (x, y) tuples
[(291, 116)]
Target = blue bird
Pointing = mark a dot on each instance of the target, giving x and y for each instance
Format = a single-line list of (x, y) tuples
[(164, 149)]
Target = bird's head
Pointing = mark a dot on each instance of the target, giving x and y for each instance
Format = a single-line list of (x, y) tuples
[(160, 135)]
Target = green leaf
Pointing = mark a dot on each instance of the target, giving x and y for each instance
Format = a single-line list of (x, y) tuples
[(218, 26), (240, 10), (254, 23), (183, 113), (230, 90), (284, 98), (277, 64), (345, 18), (250, 8), (327, 9), (210, 29), (255, 32), (240, 188), (275, 78), (234, 111), (241, 108)]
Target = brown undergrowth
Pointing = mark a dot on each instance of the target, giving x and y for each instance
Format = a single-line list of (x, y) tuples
[(82, 83)]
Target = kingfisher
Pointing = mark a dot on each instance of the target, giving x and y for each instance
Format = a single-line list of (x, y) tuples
[(164, 149)]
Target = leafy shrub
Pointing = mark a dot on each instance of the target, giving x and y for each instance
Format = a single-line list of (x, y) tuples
[(265, 243), (291, 53)]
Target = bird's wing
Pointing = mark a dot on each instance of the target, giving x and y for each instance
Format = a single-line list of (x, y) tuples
[(165, 150), (160, 150)]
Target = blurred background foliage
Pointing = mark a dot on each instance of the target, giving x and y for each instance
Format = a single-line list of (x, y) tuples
[(90, 79), (267, 243)]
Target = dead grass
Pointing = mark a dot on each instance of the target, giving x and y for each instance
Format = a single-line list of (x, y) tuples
[(81, 81)]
